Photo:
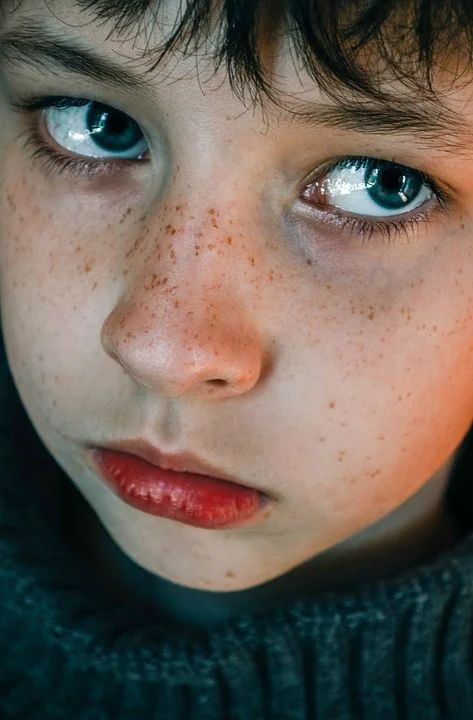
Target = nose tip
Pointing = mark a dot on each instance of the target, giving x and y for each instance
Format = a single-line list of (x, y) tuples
[(218, 362)]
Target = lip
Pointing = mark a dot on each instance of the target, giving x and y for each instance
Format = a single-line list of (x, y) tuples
[(179, 462), (178, 486)]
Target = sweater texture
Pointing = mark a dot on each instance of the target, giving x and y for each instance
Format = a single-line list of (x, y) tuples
[(399, 648)]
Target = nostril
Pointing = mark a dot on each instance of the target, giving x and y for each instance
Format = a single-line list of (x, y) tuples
[(218, 382)]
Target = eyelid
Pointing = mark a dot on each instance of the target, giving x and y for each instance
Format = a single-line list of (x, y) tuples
[(40, 102), (51, 155), (444, 191)]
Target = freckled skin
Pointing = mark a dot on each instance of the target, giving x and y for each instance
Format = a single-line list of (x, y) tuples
[(194, 305)]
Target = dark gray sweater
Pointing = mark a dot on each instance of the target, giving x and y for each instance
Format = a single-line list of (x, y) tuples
[(69, 648)]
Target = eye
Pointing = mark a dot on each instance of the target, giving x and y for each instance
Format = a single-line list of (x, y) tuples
[(371, 188), (94, 130)]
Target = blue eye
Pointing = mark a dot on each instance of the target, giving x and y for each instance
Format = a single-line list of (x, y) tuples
[(94, 130), (372, 188), (392, 187)]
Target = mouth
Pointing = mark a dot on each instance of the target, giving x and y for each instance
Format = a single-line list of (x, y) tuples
[(178, 487)]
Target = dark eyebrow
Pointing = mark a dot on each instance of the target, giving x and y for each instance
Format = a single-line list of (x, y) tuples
[(436, 126), (37, 46)]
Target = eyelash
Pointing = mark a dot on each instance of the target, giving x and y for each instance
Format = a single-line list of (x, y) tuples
[(389, 229), (53, 160)]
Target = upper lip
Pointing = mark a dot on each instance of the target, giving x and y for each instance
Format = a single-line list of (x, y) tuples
[(179, 462)]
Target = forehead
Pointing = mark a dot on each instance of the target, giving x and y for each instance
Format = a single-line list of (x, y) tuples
[(153, 37), (249, 33)]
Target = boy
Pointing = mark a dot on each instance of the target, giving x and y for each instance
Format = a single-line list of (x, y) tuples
[(235, 267)]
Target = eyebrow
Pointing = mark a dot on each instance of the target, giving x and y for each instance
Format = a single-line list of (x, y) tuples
[(437, 127), (37, 46)]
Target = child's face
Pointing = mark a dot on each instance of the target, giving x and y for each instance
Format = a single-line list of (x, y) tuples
[(192, 299)]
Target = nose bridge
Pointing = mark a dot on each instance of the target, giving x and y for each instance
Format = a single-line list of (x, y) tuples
[(192, 260), (182, 325)]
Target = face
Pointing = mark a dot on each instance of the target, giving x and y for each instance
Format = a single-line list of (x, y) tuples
[(239, 287)]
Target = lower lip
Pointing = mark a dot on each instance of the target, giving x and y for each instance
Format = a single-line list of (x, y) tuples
[(198, 500)]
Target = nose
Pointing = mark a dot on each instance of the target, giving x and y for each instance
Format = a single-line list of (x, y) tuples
[(179, 330)]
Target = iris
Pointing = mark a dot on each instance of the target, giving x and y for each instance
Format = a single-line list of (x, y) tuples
[(111, 129), (392, 186)]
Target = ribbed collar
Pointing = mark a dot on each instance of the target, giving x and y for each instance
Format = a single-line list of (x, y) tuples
[(390, 649)]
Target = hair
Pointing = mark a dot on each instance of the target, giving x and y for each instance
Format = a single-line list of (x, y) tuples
[(344, 45)]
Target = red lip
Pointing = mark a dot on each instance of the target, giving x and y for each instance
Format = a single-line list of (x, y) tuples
[(179, 487), (179, 462)]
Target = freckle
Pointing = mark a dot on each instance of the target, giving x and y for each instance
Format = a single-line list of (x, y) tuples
[(94, 286), (78, 248), (176, 303), (229, 240), (321, 439), (229, 573), (212, 211), (178, 207), (332, 404), (210, 246), (88, 267)]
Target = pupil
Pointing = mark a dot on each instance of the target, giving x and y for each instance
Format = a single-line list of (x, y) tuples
[(392, 187), (111, 129), (392, 180)]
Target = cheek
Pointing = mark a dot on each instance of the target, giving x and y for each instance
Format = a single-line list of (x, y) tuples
[(45, 266), (380, 388)]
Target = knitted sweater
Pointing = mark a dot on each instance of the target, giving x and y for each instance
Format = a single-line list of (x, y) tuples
[(395, 648)]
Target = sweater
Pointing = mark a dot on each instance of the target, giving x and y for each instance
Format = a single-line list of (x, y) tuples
[(400, 647)]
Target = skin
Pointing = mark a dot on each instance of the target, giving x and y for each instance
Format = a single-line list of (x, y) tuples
[(286, 352)]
